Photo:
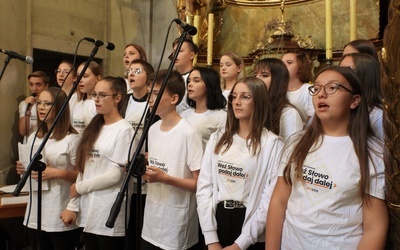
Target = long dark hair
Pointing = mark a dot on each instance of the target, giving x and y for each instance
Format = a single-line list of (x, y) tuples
[(97, 70), (368, 71), (277, 91), (364, 46), (258, 117), (64, 126), (303, 63), (359, 130), (92, 130), (215, 98)]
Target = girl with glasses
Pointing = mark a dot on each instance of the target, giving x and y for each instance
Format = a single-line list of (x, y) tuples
[(66, 76), (85, 109), (60, 173), (238, 172), (139, 83), (132, 52), (330, 192), (99, 179)]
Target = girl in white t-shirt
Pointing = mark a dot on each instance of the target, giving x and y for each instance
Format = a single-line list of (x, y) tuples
[(205, 98), (283, 118), (107, 136), (238, 172), (138, 73), (299, 67), (331, 190), (231, 67), (59, 174), (66, 76), (84, 109), (368, 70)]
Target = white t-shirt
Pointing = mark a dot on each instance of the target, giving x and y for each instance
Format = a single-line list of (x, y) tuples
[(183, 105), (290, 122), (226, 93), (324, 211), (72, 103), (101, 181), (133, 114), (375, 118), (206, 123), (170, 218), (83, 113), (238, 175), (302, 100), (59, 154), (33, 124)]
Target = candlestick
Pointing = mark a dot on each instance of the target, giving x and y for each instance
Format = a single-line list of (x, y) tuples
[(353, 20), (328, 22), (196, 22), (210, 38)]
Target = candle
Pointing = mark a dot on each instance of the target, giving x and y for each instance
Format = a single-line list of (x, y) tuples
[(353, 20), (210, 38), (328, 22), (196, 37)]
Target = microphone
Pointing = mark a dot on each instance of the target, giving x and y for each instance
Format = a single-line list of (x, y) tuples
[(12, 54), (186, 27), (98, 43), (30, 104)]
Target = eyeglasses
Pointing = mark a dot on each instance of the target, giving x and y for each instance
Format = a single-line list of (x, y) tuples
[(45, 104), (329, 88), (100, 96), (135, 72), (242, 98), (65, 71)]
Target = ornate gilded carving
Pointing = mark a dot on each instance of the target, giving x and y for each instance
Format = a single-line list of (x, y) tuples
[(187, 9), (265, 3), (391, 93)]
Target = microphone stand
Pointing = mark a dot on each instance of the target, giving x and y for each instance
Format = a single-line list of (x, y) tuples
[(137, 166), (6, 61), (35, 163)]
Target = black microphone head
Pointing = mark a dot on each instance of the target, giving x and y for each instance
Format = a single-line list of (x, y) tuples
[(192, 31), (34, 94), (110, 46)]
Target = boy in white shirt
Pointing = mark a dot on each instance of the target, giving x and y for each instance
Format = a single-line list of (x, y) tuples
[(174, 155)]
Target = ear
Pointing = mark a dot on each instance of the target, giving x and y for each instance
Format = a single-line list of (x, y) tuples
[(117, 98), (192, 55), (355, 101), (240, 68), (98, 78), (174, 99)]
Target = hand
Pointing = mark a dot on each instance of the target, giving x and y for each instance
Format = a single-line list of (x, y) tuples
[(31, 100), (154, 174), (68, 217), (234, 246), (72, 191), (214, 246), (20, 168), (48, 174)]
